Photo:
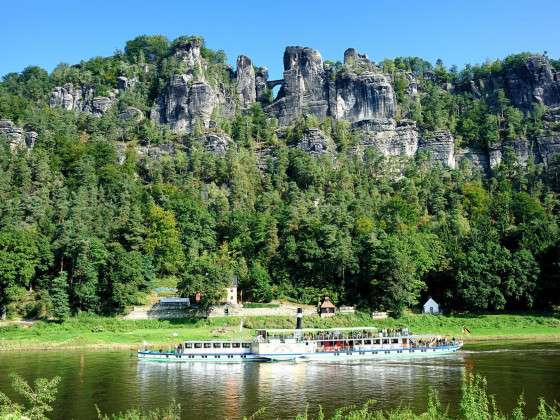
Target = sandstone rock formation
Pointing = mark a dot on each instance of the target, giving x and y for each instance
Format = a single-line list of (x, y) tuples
[(245, 78), (185, 103), (440, 146), (316, 143), (304, 89), (365, 96), (81, 99), (387, 137), (215, 143), (131, 113), (534, 81), (358, 92), (16, 137)]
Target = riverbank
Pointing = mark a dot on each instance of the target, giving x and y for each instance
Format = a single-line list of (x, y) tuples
[(87, 331)]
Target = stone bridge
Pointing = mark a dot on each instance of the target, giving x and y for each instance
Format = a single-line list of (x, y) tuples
[(271, 84)]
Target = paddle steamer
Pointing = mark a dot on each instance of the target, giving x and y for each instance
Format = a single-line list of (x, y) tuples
[(303, 344)]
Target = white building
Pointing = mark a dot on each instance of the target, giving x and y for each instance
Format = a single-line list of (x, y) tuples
[(232, 292), (431, 307)]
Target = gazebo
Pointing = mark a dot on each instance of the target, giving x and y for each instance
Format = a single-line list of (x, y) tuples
[(326, 308)]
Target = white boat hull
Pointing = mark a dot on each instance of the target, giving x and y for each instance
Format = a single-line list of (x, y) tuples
[(362, 354)]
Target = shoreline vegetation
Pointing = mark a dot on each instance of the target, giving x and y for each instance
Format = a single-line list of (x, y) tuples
[(475, 404), (93, 332)]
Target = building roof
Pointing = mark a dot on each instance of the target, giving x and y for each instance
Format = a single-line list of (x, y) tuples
[(430, 300), (327, 303), (174, 300)]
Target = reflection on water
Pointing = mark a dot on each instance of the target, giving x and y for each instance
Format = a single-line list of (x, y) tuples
[(116, 381)]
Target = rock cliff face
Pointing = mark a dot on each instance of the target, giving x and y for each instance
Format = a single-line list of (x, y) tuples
[(365, 96), (304, 89), (358, 92), (190, 99), (316, 143), (215, 143), (80, 99), (387, 137), (245, 78), (534, 81), (185, 103), (548, 148), (16, 137), (440, 145)]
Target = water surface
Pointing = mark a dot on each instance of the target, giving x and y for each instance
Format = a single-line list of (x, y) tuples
[(116, 381)]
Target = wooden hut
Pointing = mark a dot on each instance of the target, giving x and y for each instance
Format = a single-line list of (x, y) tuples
[(326, 308)]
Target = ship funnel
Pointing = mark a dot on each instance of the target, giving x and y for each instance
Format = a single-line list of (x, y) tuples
[(299, 318)]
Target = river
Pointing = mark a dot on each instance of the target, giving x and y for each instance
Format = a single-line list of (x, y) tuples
[(116, 381)]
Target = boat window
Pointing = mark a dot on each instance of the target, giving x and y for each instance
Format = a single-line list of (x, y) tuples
[(227, 345), (399, 351), (367, 342), (188, 345), (191, 356), (216, 357), (374, 352), (387, 351), (394, 340), (246, 345), (207, 345), (385, 341), (197, 345), (377, 341), (217, 345), (205, 357), (235, 345)]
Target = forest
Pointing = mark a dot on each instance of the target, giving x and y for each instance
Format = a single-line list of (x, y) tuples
[(90, 223)]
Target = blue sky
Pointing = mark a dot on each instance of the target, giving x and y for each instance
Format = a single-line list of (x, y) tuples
[(45, 33)]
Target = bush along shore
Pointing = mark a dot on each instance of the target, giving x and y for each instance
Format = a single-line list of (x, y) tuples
[(475, 404), (90, 331)]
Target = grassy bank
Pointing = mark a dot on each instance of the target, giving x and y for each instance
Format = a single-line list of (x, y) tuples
[(88, 331)]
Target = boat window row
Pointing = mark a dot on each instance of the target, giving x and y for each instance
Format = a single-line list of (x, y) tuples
[(217, 345)]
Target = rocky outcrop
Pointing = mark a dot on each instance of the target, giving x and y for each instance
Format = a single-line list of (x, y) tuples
[(245, 78), (188, 51), (533, 80), (16, 137), (529, 80), (387, 137), (189, 99), (476, 158), (124, 83), (365, 96), (304, 88), (157, 151), (81, 99), (548, 149), (215, 143), (185, 103), (440, 146), (519, 148), (131, 113), (316, 143), (358, 92)]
